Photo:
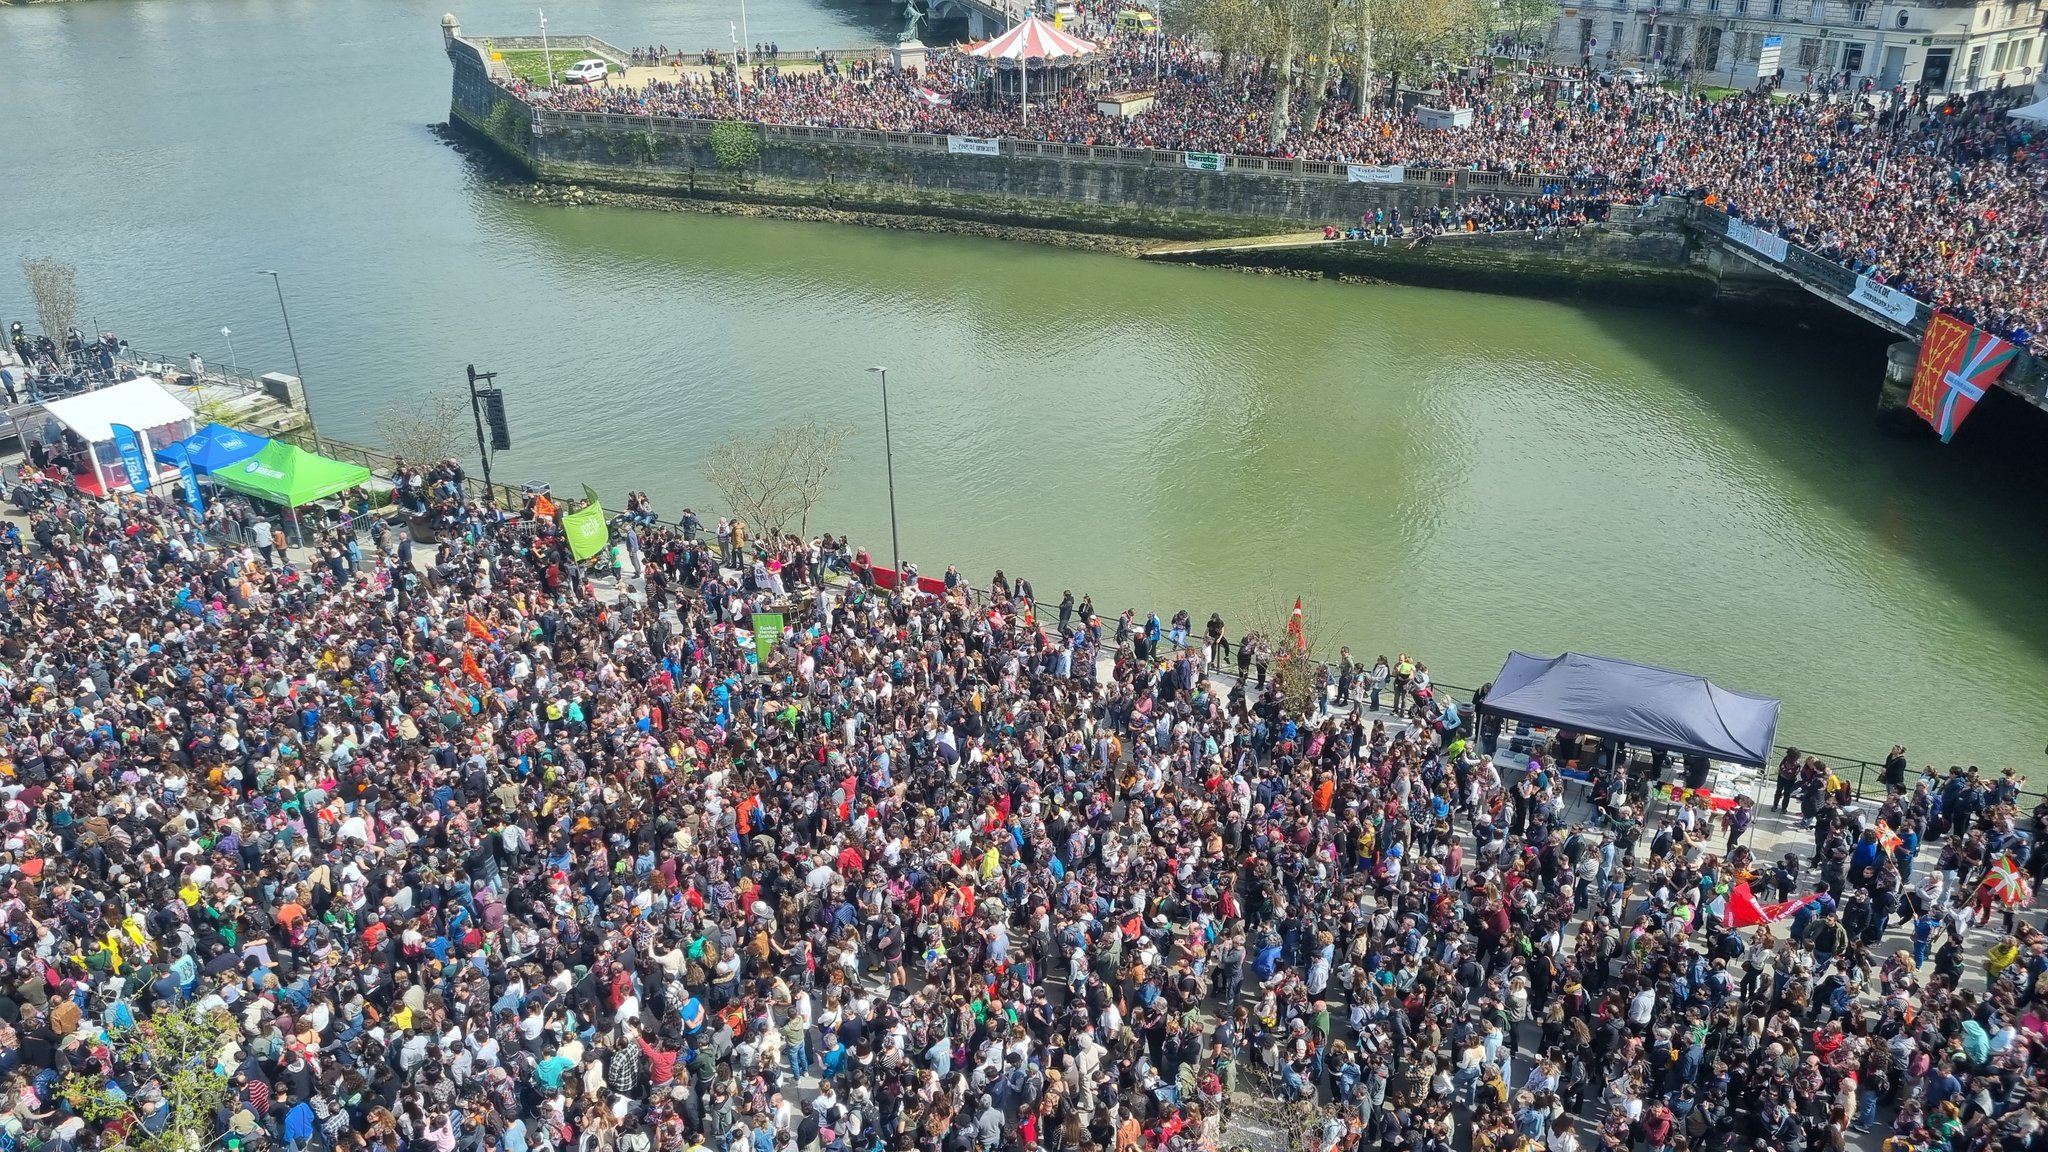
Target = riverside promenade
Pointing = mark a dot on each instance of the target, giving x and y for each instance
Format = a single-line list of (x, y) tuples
[(451, 602)]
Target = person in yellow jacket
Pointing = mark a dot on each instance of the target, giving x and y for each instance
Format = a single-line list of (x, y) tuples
[(1999, 957)]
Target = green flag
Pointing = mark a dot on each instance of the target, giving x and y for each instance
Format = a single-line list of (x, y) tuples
[(590, 496), (586, 530), (767, 634)]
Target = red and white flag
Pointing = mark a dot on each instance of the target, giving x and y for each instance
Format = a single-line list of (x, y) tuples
[(1294, 631)]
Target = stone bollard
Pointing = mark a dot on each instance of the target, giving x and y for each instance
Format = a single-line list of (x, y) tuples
[(1900, 359)]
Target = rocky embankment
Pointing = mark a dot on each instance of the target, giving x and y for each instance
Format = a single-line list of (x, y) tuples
[(573, 195)]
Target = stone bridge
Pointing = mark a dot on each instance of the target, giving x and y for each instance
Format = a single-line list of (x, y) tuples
[(1727, 240)]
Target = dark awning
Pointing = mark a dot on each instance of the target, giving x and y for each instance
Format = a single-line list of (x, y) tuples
[(1646, 706)]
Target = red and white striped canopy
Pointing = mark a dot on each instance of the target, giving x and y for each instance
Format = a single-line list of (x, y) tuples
[(1034, 39)]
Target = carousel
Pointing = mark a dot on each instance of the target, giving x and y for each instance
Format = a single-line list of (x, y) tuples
[(1034, 61)]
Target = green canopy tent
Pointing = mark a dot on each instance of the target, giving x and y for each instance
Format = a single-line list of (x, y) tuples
[(289, 475)]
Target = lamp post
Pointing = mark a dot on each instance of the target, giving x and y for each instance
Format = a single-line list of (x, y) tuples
[(889, 459), (546, 57), (278, 284), (232, 362)]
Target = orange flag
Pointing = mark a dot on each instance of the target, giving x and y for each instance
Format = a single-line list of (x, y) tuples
[(544, 507), (470, 666), (476, 627), (1294, 631)]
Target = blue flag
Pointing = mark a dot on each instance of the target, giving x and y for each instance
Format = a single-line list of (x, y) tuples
[(190, 480), (129, 445)]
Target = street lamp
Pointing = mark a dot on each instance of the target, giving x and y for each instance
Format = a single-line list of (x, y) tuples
[(232, 362), (889, 458), (300, 372), (546, 56)]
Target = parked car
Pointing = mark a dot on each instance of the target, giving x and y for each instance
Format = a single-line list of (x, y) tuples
[(1633, 77), (586, 72)]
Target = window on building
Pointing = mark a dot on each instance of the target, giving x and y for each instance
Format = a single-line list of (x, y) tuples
[(1998, 57), (1976, 68), (1859, 11), (1777, 7), (1852, 58), (1814, 11), (1903, 18), (1809, 52)]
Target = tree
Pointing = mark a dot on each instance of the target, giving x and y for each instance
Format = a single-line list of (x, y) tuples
[(424, 429), (173, 1055), (774, 479), (734, 145), (1292, 666), (1525, 21), (1410, 37), (53, 286)]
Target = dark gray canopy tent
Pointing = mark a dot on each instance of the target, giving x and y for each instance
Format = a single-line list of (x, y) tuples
[(1635, 704)]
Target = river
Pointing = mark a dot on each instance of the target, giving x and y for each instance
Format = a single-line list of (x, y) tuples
[(1450, 474)]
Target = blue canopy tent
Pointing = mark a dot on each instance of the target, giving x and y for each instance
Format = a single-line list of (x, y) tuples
[(217, 446), (1635, 704)]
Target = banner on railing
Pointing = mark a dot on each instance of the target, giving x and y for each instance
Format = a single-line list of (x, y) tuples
[(1376, 173), (1757, 239), (973, 146), (1204, 161), (1884, 300)]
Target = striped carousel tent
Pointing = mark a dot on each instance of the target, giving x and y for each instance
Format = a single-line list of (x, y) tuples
[(1032, 60), (1034, 40)]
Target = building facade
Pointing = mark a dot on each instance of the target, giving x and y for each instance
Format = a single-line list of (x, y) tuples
[(1951, 47)]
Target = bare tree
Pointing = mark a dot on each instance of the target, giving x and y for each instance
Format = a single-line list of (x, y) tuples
[(773, 480), (423, 429), (1290, 655), (53, 286)]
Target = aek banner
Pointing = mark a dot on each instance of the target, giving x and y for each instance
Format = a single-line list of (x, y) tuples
[(130, 447), (1377, 173), (973, 146), (1884, 300), (767, 634), (1757, 239), (1204, 161), (586, 531)]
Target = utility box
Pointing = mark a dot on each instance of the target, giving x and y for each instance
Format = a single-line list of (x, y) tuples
[(284, 388)]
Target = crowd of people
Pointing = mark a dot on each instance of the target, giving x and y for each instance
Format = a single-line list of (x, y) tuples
[(1943, 200), (461, 847)]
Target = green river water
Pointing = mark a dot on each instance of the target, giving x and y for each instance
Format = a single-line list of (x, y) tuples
[(1450, 474)]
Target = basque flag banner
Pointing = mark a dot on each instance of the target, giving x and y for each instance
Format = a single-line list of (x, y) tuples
[(1958, 364)]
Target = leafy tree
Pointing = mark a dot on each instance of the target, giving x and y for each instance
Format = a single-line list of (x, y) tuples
[(172, 1054), (1525, 21), (734, 145)]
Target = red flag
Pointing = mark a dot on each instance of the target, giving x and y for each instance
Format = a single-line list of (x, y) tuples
[(1743, 911), (470, 666), (544, 507), (1294, 628), (476, 627), (1779, 911)]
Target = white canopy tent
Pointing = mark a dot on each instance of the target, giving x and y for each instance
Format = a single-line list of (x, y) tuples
[(142, 404), (2035, 113)]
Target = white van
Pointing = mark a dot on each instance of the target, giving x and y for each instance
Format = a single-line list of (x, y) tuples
[(586, 72)]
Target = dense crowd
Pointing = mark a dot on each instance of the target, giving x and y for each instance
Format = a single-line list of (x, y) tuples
[(466, 847), (1943, 202)]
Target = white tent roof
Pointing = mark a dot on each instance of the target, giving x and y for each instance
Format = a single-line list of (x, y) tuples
[(140, 403), (2035, 113)]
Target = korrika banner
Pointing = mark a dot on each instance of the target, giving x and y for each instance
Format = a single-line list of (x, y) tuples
[(1377, 173), (973, 146)]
